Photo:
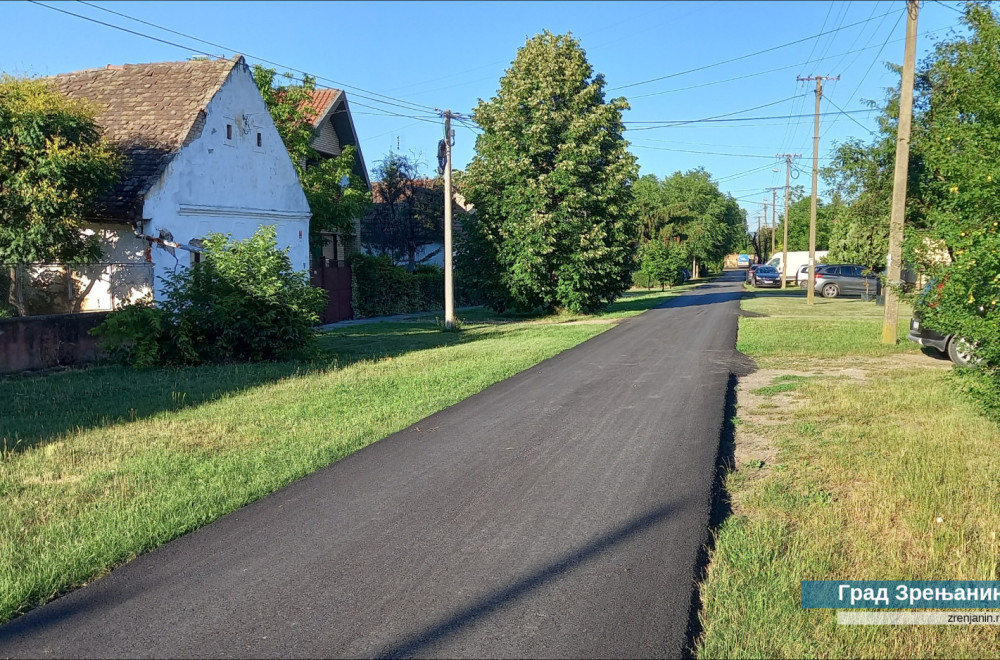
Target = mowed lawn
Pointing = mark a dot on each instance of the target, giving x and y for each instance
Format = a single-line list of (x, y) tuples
[(102, 464), (853, 461)]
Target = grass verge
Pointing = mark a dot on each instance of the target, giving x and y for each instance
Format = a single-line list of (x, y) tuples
[(100, 465), (873, 466)]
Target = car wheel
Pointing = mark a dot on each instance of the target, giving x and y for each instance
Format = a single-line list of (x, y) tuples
[(960, 352), (830, 290)]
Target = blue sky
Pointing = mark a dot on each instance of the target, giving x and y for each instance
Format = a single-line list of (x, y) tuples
[(399, 61)]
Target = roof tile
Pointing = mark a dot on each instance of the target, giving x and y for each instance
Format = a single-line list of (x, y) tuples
[(148, 111)]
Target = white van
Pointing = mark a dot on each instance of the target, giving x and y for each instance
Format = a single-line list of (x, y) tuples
[(796, 260)]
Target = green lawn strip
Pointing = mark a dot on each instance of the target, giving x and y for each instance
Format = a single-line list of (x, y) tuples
[(113, 462), (829, 329), (862, 475)]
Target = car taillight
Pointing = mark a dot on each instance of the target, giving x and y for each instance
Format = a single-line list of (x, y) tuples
[(817, 275)]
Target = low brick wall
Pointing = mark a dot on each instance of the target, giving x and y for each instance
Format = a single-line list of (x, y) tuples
[(39, 342)]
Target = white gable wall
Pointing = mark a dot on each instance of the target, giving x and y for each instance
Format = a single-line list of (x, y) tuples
[(229, 186)]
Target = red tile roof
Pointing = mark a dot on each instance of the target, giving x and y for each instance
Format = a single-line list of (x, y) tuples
[(320, 103), (149, 111)]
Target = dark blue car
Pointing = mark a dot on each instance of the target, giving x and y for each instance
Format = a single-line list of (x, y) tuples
[(766, 276)]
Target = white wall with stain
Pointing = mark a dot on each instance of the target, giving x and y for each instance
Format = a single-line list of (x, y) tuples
[(233, 177)]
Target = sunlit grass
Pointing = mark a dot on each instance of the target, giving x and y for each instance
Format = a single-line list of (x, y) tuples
[(888, 476)]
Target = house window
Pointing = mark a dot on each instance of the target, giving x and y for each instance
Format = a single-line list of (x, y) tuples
[(197, 257), (229, 131), (259, 144)]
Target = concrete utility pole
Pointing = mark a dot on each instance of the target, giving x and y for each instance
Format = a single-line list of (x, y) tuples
[(449, 289), (815, 185), (893, 271), (788, 186)]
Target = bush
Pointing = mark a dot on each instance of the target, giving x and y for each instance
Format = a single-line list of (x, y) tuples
[(381, 288), (242, 302), (430, 282)]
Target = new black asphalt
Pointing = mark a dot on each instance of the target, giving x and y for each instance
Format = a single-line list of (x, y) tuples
[(559, 513)]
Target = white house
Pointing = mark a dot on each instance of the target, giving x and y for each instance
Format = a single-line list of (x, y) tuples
[(204, 156)]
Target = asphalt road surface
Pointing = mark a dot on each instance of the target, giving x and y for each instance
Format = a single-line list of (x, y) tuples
[(559, 513)]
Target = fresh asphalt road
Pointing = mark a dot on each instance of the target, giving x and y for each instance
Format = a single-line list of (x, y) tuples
[(559, 513)]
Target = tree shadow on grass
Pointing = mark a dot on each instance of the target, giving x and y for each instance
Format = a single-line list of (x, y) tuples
[(39, 408)]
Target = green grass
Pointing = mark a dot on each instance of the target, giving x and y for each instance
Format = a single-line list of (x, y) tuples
[(106, 463), (830, 328), (891, 476)]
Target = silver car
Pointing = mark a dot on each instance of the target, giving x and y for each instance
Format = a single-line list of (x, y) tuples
[(832, 280)]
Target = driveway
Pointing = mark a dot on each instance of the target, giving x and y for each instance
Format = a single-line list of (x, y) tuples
[(559, 513)]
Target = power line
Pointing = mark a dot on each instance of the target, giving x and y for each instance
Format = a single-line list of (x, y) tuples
[(673, 124), (818, 36), (746, 173), (774, 70), (830, 101), (742, 57), (188, 36), (877, 55), (416, 106), (707, 153), (955, 9)]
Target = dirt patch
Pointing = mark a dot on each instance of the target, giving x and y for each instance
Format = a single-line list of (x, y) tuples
[(762, 406)]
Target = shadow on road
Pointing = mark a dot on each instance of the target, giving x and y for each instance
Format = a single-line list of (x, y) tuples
[(725, 463), (417, 643)]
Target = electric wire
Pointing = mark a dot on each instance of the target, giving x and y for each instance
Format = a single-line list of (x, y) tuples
[(868, 71), (736, 59), (261, 59), (360, 93)]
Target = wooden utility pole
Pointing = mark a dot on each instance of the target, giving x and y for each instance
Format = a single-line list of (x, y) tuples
[(815, 186), (760, 253), (784, 238), (449, 290), (774, 215), (894, 267)]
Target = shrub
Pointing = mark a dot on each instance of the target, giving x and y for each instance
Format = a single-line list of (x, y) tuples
[(242, 302), (382, 288)]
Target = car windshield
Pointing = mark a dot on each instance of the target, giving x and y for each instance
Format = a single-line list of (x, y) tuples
[(764, 270)]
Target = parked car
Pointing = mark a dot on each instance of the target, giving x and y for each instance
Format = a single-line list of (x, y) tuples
[(767, 276), (956, 348), (832, 280), (750, 272)]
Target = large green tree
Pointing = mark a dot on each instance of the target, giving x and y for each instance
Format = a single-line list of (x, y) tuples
[(799, 212), (959, 142), (53, 165), (333, 206), (552, 186), (689, 209)]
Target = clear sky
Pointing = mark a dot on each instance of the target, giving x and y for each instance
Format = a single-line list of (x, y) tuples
[(398, 61)]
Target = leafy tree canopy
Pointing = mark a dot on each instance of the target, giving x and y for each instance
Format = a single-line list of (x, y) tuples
[(959, 142), (53, 165), (689, 209), (552, 186), (408, 212), (333, 207)]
